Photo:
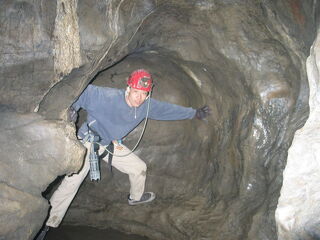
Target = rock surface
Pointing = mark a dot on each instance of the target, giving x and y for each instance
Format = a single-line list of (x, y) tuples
[(36, 151), (220, 178), (298, 209)]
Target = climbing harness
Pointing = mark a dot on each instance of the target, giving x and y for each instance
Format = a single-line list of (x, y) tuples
[(110, 149)]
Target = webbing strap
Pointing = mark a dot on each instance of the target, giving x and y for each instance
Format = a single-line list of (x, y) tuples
[(109, 149)]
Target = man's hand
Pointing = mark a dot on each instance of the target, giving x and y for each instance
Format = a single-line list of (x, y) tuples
[(72, 115), (202, 112)]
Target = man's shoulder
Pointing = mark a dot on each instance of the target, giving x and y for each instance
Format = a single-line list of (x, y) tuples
[(106, 91)]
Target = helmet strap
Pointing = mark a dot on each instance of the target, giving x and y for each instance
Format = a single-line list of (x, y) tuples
[(127, 91)]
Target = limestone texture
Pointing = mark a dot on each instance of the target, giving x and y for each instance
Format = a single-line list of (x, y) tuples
[(298, 211), (216, 179)]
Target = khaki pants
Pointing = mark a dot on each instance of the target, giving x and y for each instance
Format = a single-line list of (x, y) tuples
[(63, 196)]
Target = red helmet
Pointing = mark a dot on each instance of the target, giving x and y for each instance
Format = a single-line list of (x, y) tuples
[(140, 79)]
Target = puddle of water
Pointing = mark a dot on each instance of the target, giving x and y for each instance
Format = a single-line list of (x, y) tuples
[(88, 233)]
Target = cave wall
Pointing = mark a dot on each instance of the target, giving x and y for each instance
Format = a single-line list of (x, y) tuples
[(298, 208), (34, 152), (220, 178)]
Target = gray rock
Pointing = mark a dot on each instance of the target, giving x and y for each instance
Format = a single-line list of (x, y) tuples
[(26, 53), (34, 152)]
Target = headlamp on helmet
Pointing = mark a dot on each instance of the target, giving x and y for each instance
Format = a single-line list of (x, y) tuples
[(141, 80)]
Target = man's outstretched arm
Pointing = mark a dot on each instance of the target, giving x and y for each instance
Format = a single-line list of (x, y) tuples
[(168, 111)]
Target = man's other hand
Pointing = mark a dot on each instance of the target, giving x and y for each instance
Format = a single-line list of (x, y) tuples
[(72, 115), (202, 112)]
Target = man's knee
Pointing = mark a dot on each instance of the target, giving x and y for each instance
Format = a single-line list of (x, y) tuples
[(141, 168), (144, 172)]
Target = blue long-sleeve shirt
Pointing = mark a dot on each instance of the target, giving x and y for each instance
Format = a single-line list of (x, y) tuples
[(112, 118)]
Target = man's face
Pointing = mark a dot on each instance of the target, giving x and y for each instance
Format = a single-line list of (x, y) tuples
[(136, 97)]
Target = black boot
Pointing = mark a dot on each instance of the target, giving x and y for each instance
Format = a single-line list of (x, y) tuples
[(42, 233)]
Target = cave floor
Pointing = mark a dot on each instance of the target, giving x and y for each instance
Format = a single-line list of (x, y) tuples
[(85, 233)]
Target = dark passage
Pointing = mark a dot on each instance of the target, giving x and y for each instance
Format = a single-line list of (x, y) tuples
[(86, 233)]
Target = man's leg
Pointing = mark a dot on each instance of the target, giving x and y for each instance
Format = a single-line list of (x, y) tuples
[(63, 196), (136, 169)]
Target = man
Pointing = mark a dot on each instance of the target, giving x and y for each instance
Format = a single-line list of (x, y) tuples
[(112, 114)]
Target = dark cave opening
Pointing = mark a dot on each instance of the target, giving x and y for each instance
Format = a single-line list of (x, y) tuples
[(67, 232)]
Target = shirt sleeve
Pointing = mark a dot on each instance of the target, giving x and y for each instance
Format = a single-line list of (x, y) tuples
[(168, 111), (85, 98)]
